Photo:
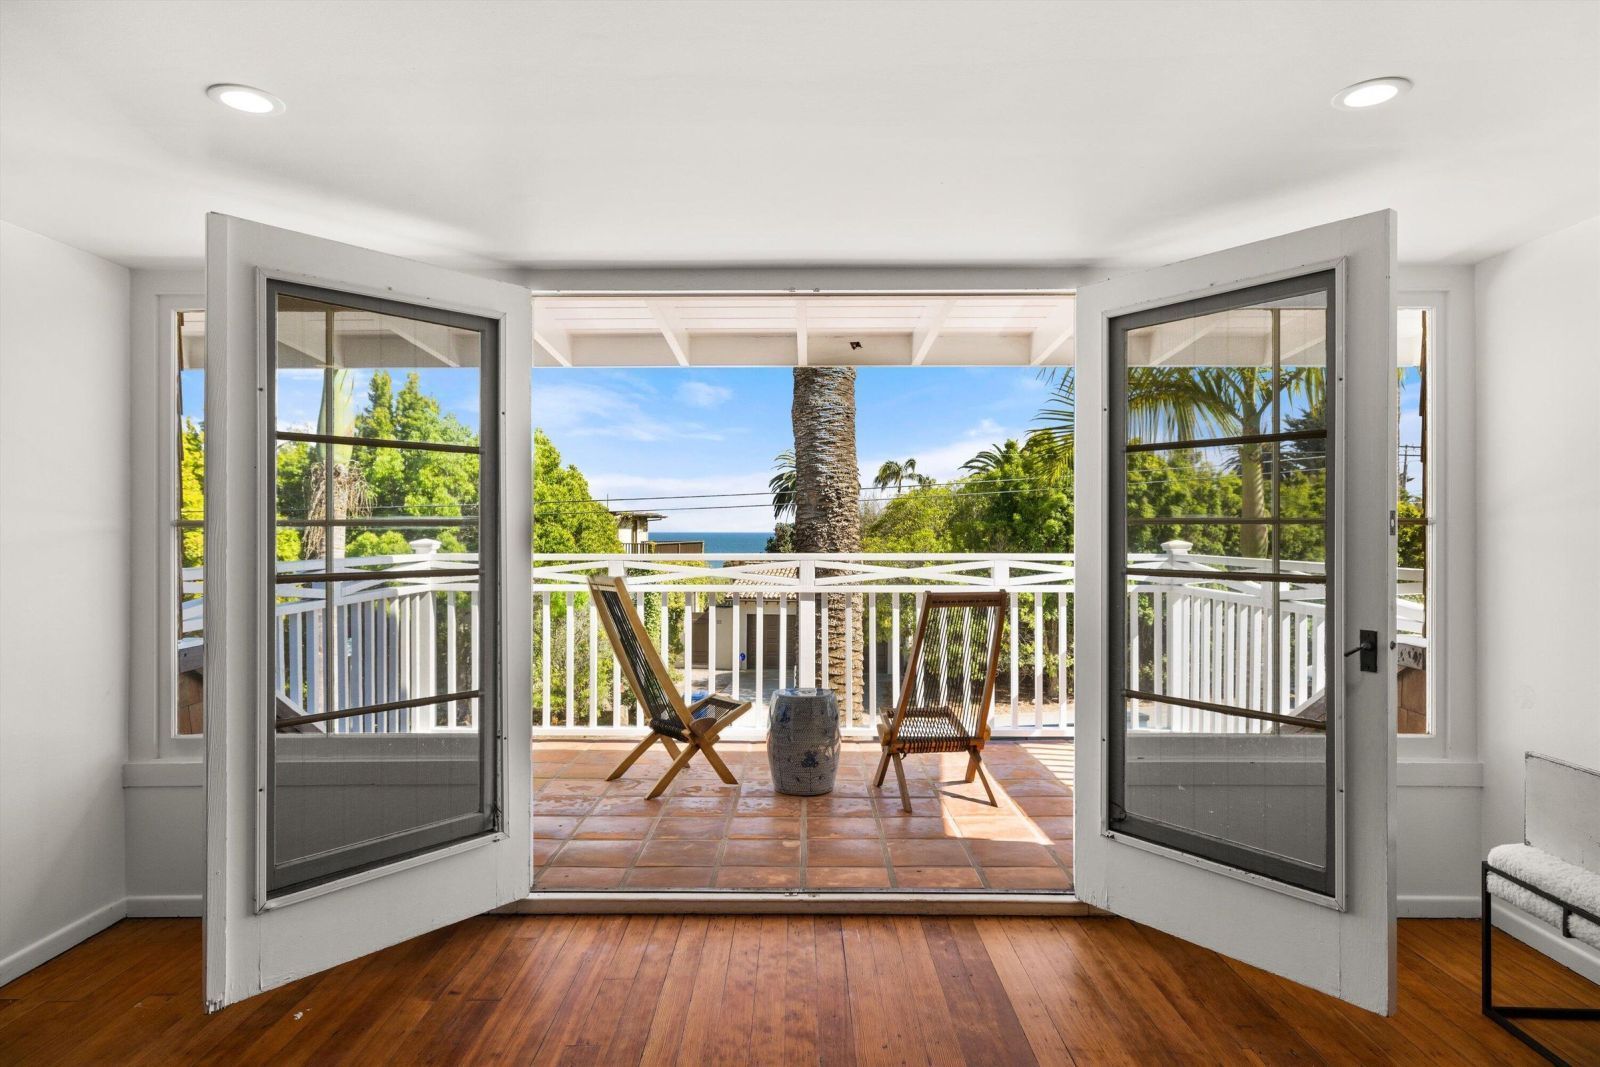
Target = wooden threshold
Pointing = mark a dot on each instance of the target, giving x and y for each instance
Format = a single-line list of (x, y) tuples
[(757, 902)]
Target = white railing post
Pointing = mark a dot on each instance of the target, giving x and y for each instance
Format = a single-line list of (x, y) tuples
[(807, 623)]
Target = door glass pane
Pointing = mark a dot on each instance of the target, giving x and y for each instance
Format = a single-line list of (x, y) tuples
[(383, 613), (1221, 646)]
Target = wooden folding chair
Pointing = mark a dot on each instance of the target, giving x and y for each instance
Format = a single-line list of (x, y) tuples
[(948, 685), (672, 721)]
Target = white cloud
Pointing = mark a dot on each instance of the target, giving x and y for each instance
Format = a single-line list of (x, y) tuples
[(942, 462), (700, 503), (569, 410), (703, 395)]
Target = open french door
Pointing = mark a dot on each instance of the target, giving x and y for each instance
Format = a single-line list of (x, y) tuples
[(1235, 583), (367, 655)]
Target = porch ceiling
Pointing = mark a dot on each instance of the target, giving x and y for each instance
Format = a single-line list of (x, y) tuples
[(788, 329)]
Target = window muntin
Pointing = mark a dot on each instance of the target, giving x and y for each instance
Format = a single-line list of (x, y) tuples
[(1222, 736), (384, 605)]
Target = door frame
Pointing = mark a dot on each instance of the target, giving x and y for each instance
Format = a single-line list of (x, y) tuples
[(1345, 944)]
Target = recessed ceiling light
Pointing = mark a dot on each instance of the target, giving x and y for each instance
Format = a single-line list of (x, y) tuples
[(1370, 93), (244, 98)]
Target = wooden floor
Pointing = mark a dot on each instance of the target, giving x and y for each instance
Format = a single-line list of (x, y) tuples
[(771, 990)]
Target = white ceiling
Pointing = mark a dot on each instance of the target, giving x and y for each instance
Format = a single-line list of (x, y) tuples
[(599, 134)]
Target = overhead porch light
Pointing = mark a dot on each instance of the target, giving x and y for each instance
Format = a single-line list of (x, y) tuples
[(245, 98)]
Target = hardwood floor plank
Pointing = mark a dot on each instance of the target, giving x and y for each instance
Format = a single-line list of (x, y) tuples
[(625, 990), (836, 1035), (1032, 1012)]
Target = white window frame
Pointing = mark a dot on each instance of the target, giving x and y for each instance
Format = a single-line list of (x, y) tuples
[(153, 727), (1437, 743)]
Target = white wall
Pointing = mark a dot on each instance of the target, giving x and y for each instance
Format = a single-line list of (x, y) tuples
[(64, 602), (1538, 515)]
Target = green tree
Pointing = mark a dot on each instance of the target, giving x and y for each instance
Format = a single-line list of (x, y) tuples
[(895, 473), (566, 518)]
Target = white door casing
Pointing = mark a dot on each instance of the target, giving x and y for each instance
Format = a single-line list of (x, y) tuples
[(1345, 944), (252, 944)]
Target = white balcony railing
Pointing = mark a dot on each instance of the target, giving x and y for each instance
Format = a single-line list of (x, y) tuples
[(748, 625)]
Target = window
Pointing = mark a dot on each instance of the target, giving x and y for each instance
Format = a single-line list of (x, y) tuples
[(187, 519), (1414, 526), (385, 606)]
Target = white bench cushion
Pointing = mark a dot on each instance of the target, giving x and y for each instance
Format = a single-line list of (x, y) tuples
[(1555, 876)]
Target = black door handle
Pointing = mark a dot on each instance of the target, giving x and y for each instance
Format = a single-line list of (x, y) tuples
[(1369, 651)]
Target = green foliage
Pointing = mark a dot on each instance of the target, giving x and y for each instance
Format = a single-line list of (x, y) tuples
[(565, 518), (192, 490)]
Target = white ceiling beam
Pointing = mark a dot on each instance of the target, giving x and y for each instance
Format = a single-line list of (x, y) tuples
[(1055, 331), (676, 336), (554, 340), (802, 333), (927, 331), (1173, 351)]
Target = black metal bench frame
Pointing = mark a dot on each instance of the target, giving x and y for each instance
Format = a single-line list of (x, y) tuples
[(1503, 1014)]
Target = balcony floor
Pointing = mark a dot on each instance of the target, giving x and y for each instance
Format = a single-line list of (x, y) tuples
[(590, 834)]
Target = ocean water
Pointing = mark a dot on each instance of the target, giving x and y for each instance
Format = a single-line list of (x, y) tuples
[(718, 540)]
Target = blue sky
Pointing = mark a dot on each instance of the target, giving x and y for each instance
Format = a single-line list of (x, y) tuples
[(678, 432)]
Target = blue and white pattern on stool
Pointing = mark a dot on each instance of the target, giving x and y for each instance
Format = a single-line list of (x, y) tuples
[(803, 741)]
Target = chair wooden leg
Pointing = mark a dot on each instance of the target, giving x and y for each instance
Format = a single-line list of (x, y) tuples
[(717, 764), (900, 775), (883, 769), (633, 757), (975, 765), (672, 772)]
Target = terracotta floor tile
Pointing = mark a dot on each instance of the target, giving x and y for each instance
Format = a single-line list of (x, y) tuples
[(581, 878), (1018, 787), (544, 848), (763, 826), (762, 853), (564, 804), (1050, 805), (715, 805), (670, 878), (1004, 853), (758, 878), (554, 827), (670, 853), (831, 806), (614, 827), (928, 852), (889, 804), (1000, 829), (669, 826), (626, 805), (566, 788), (915, 826), (847, 877), (596, 854), (825, 852), (848, 827), (1056, 828), (1027, 878), (939, 877), (769, 805)]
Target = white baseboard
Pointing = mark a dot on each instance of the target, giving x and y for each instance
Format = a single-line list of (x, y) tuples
[(1421, 906), (170, 906), (51, 945), (1542, 937)]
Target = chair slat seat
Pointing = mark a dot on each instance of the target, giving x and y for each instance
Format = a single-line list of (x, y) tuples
[(948, 685)]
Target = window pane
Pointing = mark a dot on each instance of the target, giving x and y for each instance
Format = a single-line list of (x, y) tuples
[(384, 673), (1411, 473), (189, 483), (1221, 646)]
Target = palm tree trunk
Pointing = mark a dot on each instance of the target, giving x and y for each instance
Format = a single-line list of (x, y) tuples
[(1254, 541), (827, 497)]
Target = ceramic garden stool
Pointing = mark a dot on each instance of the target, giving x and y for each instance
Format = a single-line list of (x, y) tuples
[(803, 741)]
